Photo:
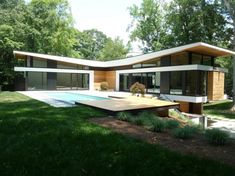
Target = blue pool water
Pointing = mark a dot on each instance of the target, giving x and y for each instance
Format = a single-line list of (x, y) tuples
[(71, 97)]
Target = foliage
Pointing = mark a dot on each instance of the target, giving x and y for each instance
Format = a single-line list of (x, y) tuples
[(90, 43), (158, 125), (186, 132), (44, 26), (171, 124), (37, 139), (125, 116), (137, 88), (216, 136), (104, 86), (147, 25), (114, 49), (138, 121)]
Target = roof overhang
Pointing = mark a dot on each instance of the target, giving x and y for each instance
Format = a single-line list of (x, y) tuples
[(199, 47)]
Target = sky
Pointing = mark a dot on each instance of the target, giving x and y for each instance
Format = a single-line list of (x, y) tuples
[(109, 16)]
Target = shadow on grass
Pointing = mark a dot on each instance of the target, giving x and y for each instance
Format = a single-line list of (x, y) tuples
[(91, 150), (220, 109), (36, 139)]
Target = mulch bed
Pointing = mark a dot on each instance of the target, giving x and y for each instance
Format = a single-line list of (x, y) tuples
[(196, 146)]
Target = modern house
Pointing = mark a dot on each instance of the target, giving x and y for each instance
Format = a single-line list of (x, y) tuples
[(185, 74)]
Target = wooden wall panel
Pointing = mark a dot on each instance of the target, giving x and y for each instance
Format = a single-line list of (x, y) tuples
[(184, 106), (215, 86), (99, 76), (111, 79), (105, 76)]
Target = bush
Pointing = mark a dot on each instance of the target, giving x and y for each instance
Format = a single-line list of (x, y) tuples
[(216, 136), (137, 88), (124, 116), (138, 121), (186, 132), (171, 124), (158, 125), (104, 86)]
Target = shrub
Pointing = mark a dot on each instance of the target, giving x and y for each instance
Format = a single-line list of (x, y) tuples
[(216, 136), (137, 88), (104, 86), (158, 125), (171, 124), (138, 121), (125, 116), (186, 132)]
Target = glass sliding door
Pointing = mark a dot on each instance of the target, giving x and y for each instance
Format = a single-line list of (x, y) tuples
[(124, 82), (176, 87), (37, 81)]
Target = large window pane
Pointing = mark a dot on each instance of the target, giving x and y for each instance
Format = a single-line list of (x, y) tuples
[(176, 83), (153, 83), (63, 81), (37, 81), (196, 59), (180, 59), (39, 63), (124, 82), (207, 60)]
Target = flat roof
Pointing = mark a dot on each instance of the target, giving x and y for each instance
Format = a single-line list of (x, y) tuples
[(199, 47)]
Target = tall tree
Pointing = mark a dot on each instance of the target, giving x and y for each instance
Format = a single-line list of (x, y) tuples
[(148, 25), (230, 6), (12, 36), (90, 43), (114, 49), (52, 27), (196, 21)]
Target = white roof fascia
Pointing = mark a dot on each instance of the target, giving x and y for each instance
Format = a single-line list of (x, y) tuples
[(126, 61)]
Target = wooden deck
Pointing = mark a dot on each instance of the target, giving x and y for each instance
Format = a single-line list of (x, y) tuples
[(130, 103)]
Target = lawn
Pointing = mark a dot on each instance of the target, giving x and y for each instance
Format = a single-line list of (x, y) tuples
[(219, 109), (36, 139)]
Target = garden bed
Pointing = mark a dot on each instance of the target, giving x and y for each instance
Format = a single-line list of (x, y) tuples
[(197, 145)]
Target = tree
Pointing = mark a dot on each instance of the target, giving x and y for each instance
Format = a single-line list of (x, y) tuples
[(148, 25), (52, 27), (12, 36), (230, 6), (90, 43), (196, 21), (114, 49)]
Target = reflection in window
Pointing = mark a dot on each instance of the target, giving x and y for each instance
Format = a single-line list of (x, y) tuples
[(176, 83), (196, 59), (180, 59), (207, 60), (37, 80), (39, 63)]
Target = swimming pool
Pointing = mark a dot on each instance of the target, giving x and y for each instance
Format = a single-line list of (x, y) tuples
[(71, 97)]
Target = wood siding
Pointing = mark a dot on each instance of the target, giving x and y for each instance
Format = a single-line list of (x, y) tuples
[(105, 76), (215, 86)]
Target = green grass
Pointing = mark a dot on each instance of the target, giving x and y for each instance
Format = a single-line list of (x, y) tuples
[(36, 140), (219, 110)]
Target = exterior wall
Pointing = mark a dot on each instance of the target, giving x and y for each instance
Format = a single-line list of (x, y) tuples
[(184, 106), (215, 86), (105, 76), (194, 108)]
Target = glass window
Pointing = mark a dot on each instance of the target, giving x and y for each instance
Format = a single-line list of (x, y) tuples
[(202, 83), (207, 60), (39, 63), (136, 66), (176, 83), (124, 82), (37, 80), (63, 81), (180, 59), (196, 59), (64, 65), (152, 63), (153, 82)]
